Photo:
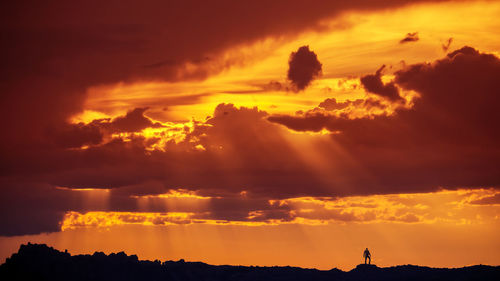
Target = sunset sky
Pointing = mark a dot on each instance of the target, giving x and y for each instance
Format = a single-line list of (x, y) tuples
[(253, 132)]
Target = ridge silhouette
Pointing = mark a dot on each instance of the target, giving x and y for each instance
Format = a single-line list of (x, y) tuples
[(41, 262)]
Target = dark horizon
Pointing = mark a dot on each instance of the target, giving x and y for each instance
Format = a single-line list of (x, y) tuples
[(41, 262), (136, 257)]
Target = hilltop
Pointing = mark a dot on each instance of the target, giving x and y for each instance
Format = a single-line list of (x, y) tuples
[(41, 262)]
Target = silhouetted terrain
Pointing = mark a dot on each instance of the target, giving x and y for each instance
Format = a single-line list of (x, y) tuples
[(40, 262)]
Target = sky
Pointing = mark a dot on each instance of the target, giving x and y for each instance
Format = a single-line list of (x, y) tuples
[(253, 132)]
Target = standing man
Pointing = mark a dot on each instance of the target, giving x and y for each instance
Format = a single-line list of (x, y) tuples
[(367, 255)]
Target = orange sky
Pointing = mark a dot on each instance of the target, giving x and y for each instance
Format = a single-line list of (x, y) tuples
[(451, 231), (185, 135)]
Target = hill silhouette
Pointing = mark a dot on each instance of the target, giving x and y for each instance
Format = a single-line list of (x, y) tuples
[(40, 262)]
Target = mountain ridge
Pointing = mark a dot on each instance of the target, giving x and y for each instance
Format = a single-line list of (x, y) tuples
[(41, 262)]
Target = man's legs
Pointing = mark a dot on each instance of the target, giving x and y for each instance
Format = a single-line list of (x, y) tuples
[(365, 259), (369, 260)]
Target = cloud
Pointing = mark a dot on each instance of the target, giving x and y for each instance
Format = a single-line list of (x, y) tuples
[(413, 149), (427, 208), (332, 104), (80, 134), (352, 108), (373, 84), (51, 59), (489, 200), (133, 121), (434, 143), (410, 37), (304, 67), (76, 135), (112, 45), (32, 208)]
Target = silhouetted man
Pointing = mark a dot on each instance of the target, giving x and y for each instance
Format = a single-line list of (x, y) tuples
[(367, 255)]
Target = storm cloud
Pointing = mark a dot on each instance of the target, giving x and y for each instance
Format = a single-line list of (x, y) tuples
[(304, 67)]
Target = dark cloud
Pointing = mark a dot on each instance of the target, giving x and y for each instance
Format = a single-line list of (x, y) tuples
[(33, 208), (75, 135), (78, 135), (410, 37), (243, 151), (53, 52), (489, 200), (332, 104), (303, 68), (373, 84), (448, 138), (145, 188), (133, 121)]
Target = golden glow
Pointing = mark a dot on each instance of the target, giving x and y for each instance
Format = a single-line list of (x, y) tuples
[(322, 246), (252, 73), (176, 193), (158, 138), (73, 220), (107, 219), (434, 228), (455, 207), (436, 207), (88, 116), (91, 198), (255, 75)]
